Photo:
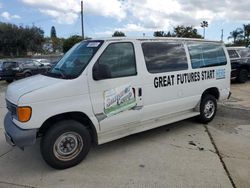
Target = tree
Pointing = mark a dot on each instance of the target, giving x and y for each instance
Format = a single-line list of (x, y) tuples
[(18, 40), (159, 34), (118, 34), (53, 32), (180, 31), (169, 34), (246, 29), (236, 35), (70, 42), (55, 41), (186, 32), (204, 24)]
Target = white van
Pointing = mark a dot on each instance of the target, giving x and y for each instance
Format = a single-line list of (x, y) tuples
[(102, 90)]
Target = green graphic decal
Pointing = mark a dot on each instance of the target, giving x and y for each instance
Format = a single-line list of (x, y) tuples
[(119, 99)]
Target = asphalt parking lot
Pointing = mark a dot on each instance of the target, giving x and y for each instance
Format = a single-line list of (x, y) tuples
[(183, 154)]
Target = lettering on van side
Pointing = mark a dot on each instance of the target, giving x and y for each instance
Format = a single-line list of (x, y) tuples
[(183, 78), (164, 81)]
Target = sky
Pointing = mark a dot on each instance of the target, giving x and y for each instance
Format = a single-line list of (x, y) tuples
[(133, 17)]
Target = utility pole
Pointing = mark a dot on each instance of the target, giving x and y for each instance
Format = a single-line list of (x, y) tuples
[(222, 34), (82, 20)]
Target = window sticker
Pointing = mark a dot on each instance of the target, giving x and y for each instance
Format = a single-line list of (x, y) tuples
[(220, 74), (118, 100), (93, 44)]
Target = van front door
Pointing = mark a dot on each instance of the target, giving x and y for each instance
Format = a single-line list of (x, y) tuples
[(115, 88)]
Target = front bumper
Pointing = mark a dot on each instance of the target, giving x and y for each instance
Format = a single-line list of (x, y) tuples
[(6, 77), (17, 136)]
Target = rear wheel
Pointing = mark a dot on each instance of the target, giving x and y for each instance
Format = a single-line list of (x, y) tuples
[(208, 108), (243, 76), (9, 81), (65, 144)]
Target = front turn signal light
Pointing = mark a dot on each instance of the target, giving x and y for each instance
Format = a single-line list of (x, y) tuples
[(24, 113)]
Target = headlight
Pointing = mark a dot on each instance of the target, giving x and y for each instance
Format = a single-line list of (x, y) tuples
[(16, 69), (24, 113)]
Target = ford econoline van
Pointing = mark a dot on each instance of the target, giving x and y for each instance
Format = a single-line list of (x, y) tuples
[(102, 90)]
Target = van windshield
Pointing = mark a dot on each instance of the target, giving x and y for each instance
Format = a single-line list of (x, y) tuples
[(75, 60)]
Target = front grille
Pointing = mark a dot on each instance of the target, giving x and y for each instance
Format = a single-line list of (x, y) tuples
[(12, 108)]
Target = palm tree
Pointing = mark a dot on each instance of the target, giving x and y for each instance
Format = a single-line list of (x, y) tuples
[(204, 24), (236, 34), (246, 29)]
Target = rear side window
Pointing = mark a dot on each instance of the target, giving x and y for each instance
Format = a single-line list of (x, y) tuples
[(120, 58), (9, 65), (164, 56), (233, 54), (29, 64), (206, 55)]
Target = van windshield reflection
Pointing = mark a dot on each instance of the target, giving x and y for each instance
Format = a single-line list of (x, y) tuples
[(75, 60)]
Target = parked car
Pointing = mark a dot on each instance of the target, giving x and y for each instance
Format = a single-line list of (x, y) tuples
[(7, 70), (12, 70), (43, 61), (103, 90), (240, 62), (53, 63)]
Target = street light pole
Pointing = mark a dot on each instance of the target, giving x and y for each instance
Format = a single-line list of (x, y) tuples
[(82, 20)]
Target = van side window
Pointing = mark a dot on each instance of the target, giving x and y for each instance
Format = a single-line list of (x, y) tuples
[(120, 59), (164, 56), (206, 55)]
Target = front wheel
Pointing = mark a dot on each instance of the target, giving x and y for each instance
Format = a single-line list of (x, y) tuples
[(208, 108), (243, 76), (65, 144)]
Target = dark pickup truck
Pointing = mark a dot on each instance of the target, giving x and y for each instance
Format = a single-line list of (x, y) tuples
[(240, 63), (12, 70)]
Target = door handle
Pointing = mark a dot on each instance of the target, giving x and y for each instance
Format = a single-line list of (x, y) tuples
[(139, 92)]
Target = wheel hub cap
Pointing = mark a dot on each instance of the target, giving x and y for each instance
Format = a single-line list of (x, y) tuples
[(68, 146), (209, 109)]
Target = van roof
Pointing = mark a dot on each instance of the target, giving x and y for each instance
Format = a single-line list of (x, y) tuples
[(236, 47), (154, 39)]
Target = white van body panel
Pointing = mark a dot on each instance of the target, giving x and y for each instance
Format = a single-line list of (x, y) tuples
[(167, 104), (58, 97), (27, 85), (157, 106)]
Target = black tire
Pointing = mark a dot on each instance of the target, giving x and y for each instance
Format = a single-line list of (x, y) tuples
[(243, 76), (60, 139), (9, 81), (27, 74), (208, 108)]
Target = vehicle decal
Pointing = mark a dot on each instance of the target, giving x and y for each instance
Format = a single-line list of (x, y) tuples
[(93, 44), (118, 100), (185, 78), (220, 74)]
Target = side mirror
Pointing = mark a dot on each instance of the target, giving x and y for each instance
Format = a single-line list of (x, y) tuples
[(41, 65), (101, 72)]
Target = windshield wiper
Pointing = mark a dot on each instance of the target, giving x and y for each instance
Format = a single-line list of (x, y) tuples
[(61, 72)]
